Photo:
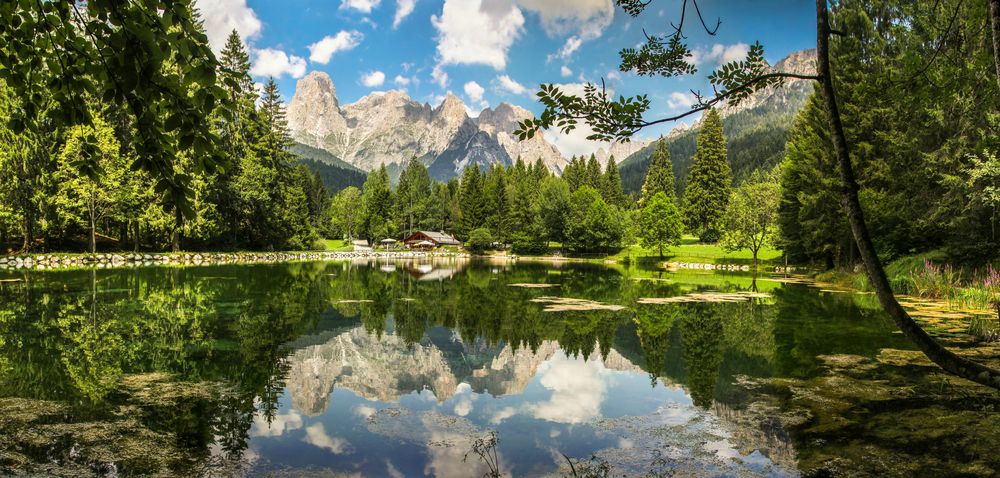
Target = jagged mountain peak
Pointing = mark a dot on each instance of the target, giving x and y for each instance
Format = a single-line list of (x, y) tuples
[(451, 109)]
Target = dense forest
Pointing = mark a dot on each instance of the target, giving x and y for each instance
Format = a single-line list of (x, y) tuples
[(72, 188), (928, 171), (920, 114)]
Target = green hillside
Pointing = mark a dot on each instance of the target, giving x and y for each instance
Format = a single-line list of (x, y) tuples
[(756, 139)]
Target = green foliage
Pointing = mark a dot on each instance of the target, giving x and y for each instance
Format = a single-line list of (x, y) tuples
[(710, 181), (751, 217), (472, 200), (659, 175), (611, 185), (377, 202), (811, 219), (592, 225), (660, 223), (150, 57), (413, 196), (554, 207), (480, 241), (346, 213)]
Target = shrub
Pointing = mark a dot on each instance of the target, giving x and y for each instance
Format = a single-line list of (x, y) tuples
[(523, 245), (480, 241)]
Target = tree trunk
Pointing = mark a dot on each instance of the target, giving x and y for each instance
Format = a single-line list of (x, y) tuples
[(28, 232), (175, 237), (995, 27), (93, 227), (135, 237), (661, 251), (946, 359)]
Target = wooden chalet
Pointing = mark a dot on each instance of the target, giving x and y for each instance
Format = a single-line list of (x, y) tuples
[(429, 239)]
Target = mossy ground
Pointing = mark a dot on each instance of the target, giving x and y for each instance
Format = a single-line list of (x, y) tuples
[(893, 415)]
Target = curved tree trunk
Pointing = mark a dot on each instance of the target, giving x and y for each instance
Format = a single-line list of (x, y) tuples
[(931, 348), (995, 28)]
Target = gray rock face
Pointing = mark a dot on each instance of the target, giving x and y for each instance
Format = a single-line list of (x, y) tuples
[(386, 368), (390, 128)]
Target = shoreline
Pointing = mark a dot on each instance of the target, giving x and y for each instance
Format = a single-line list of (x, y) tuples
[(62, 261), (73, 260)]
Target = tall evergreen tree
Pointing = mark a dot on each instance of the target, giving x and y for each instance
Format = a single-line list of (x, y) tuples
[(611, 184), (709, 182), (413, 195), (497, 204), (592, 174), (660, 175), (377, 200), (574, 174), (539, 171), (472, 201)]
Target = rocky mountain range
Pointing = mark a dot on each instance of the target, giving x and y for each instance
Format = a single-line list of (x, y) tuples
[(390, 128), (386, 368)]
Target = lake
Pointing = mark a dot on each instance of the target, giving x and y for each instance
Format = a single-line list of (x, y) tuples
[(461, 368)]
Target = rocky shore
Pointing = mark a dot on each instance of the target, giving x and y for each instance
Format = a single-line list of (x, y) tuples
[(113, 260)]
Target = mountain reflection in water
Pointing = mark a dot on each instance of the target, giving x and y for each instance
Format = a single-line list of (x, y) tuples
[(395, 368)]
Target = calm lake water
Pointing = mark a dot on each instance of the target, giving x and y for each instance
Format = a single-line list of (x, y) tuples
[(396, 369)]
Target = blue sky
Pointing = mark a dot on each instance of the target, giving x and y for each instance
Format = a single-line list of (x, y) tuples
[(492, 51)]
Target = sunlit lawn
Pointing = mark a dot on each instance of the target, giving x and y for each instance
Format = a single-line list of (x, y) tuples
[(336, 245), (691, 251)]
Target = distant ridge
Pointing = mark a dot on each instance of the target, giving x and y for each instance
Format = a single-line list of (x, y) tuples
[(756, 129)]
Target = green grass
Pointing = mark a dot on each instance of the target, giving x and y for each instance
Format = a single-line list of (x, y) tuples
[(690, 250), (336, 245)]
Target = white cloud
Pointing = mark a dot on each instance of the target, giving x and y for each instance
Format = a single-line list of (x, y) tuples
[(402, 80), (316, 436), (586, 18), (583, 20), (373, 79), (221, 17), (321, 51), (364, 411), (363, 6), (678, 100), (565, 71), (271, 62), (506, 83), (577, 387), (575, 143), (477, 32), (475, 93), (613, 75), (463, 407), (281, 423), (718, 54), (403, 9), (439, 76), (502, 414), (572, 44)]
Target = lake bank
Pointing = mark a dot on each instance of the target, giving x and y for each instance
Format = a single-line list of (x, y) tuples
[(113, 260)]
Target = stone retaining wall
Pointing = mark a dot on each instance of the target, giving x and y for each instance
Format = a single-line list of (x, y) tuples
[(110, 260)]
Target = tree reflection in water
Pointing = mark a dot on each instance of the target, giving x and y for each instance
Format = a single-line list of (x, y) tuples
[(214, 342)]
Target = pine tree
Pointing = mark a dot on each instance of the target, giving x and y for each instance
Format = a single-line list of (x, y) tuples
[(471, 200), (497, 205), (539, 170), (611, 184), (593, 173), (573, 174), (709, 182), (277, 137), (659, 176), (376, 198), (413, 195)]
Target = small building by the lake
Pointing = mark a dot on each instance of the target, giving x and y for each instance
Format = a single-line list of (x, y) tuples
[(430, 239)]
